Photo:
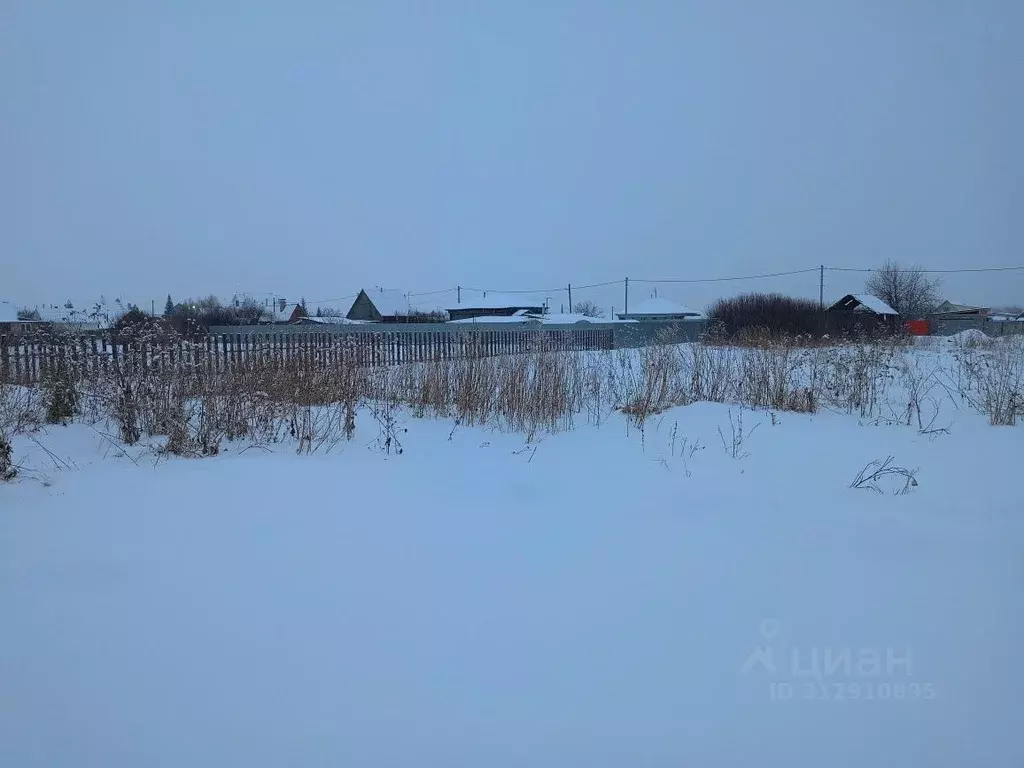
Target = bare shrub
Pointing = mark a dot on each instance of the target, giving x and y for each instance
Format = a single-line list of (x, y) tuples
[(875, 472), (660, 383), (712, 370), (766, 313), (60, 378), (856, 378), (771, 376), (21, 409), (918, 379), (389, 438), (734, 444), (989, 378), (1001, 382), (7, 469)]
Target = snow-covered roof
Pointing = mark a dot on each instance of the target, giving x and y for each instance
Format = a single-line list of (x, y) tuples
[(517, 319), (497, 301), (332, 320), (556, 318), (8, 312), (660, 306), (874, 303), (953, 308), (391, 302)]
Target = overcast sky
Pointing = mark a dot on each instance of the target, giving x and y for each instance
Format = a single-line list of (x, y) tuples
[(312, 148)]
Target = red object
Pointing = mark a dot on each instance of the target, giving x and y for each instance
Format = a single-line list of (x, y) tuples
[(918, 327)]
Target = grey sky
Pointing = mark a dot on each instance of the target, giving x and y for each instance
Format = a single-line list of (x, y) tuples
[(308, 149)]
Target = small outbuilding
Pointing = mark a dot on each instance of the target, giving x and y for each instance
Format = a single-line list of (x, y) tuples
[(495, 305), (861, 313)]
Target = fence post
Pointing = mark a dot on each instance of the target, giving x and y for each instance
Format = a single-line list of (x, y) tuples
[(37, 363), (17, 362)]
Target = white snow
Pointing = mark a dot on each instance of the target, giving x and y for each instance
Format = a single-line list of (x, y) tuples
[(874, 304), (566, 318), (597, 597), (523, 317), (573, 318), (660, 306), (970, 336), (519, 318)]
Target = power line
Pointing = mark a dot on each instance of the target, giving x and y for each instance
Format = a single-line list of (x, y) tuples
[(326, 301), (434, 293), (726, 279), (928, 271), (597, 285), (534, 290), (564, 288)]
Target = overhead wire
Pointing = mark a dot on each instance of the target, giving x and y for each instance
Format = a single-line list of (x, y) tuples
[(670, 280), (724, 279)]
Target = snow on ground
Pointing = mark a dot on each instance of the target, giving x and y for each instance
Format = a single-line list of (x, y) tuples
[(970, 336), (599, 598)]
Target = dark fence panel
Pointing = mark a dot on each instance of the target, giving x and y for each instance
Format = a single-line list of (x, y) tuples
[(26, 359), (947, 326)]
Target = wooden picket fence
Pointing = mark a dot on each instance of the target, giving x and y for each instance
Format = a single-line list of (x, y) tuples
[(26, 359)]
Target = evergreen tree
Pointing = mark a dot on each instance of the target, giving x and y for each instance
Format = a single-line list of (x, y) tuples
[(168, 307)]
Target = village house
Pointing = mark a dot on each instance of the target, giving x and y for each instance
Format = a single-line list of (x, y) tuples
[(387, 305), (950, 310)]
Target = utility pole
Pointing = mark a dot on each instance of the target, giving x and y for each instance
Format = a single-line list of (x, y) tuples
[(626, 312), (570, 298), (458, 294), (821, 287)]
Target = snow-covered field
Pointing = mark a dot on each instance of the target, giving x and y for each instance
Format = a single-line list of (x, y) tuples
[(598, 597)]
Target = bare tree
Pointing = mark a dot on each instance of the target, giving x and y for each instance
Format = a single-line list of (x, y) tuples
[(908, 290), (587, 308)]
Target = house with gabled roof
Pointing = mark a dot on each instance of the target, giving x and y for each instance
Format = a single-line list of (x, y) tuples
[(861, 313), (388, 305), (950, 309)]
